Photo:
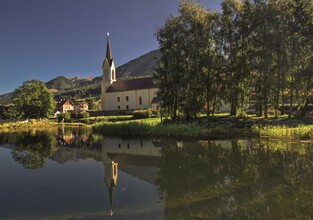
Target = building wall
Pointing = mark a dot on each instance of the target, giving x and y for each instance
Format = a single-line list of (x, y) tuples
[(130, 147), (146, 95), (67, 106), (107, 79)]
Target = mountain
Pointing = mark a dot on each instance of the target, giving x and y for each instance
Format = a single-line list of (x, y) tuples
[(76, 87), (142, 66)]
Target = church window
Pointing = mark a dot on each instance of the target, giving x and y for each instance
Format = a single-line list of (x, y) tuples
[(127, 107), (118, 99), (127, 98), (140, 100), (113, 76), (118, 107)]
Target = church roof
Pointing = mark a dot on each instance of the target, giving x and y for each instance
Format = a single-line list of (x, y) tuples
[(108, 55), (131, 84)]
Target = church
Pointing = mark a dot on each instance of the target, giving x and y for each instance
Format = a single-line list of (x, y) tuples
[(125, 95)]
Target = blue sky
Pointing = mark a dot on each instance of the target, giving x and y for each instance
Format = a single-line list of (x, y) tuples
[(43, 39)]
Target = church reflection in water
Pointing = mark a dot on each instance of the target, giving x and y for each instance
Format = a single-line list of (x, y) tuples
[(139, 158)]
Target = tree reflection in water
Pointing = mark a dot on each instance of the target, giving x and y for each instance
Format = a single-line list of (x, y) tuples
[(31, 149), (237, 180)]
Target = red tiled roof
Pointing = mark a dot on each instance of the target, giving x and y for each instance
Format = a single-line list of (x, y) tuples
[(132, 84)]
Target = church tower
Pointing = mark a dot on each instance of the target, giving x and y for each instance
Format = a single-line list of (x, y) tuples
[(108, 74), (110, 174)]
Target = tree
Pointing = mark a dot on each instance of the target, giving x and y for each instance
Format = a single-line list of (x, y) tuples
[(33, 100), (181, 71)]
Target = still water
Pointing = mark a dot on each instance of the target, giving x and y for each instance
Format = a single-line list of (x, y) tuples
[(73, 174)]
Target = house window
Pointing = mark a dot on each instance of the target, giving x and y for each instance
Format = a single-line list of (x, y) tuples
[(118, 107), (127, 98), (127, 107), (113, 78), (119, 145), (140, 100), (118, 99), (128, 146)]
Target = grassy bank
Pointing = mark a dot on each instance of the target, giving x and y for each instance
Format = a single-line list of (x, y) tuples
[(283, 131), (223, 127), (33, 124), (153, 128)]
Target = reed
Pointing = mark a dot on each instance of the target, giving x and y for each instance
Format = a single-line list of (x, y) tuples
[(283, 131)]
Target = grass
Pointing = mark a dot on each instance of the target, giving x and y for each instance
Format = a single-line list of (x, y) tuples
[(148, 128), (33, 124), (152, 127), (283, 131), (13, 126)]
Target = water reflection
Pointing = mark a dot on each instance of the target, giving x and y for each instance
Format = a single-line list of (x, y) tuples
[(31, 149), (139, 158), (236, 180), (110, 176), (166, 179)]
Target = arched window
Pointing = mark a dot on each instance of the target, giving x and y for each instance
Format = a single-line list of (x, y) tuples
[(113, 77), (140, 100)]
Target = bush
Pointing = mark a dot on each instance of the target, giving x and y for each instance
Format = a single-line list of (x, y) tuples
[(145, 113), (64, 117), (83, 115), (84, 120)]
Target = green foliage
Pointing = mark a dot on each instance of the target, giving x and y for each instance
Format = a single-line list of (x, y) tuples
[(252, 52), (300, 132), (11, 112), (83, 115), (33, 100), (145, 113), (92, 104), (64, 117), (84, 120), (32, 150)]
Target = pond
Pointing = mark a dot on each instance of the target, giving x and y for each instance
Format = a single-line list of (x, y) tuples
[(71, 173)]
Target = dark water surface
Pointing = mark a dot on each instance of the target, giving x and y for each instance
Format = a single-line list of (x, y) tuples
[(72, 174)]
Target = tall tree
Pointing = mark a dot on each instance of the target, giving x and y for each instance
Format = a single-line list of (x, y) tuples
[(180, 71), (33, 100), (235, 34)]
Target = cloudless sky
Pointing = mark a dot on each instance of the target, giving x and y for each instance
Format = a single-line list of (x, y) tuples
[(43, 39)]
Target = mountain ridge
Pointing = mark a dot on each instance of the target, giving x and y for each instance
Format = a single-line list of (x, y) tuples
[(77, 87)]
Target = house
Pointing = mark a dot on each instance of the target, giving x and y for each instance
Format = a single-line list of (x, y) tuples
[(64, 105), (121, 95), (80, 106)]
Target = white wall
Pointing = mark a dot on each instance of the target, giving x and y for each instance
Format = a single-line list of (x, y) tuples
[(133, 99)]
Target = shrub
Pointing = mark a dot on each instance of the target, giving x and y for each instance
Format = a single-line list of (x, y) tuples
[(83, 115), (145, 113), (84, 120), (64, 117)]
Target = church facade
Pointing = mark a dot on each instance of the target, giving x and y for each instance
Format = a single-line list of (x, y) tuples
[(125, 95)]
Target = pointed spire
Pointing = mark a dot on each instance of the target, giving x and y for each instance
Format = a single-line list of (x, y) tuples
[(109, 53), (111, 194)]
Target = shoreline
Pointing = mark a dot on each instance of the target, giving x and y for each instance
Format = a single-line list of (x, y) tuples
[(209, 129)]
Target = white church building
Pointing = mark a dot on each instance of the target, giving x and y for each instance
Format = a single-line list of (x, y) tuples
[(125, 95)]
